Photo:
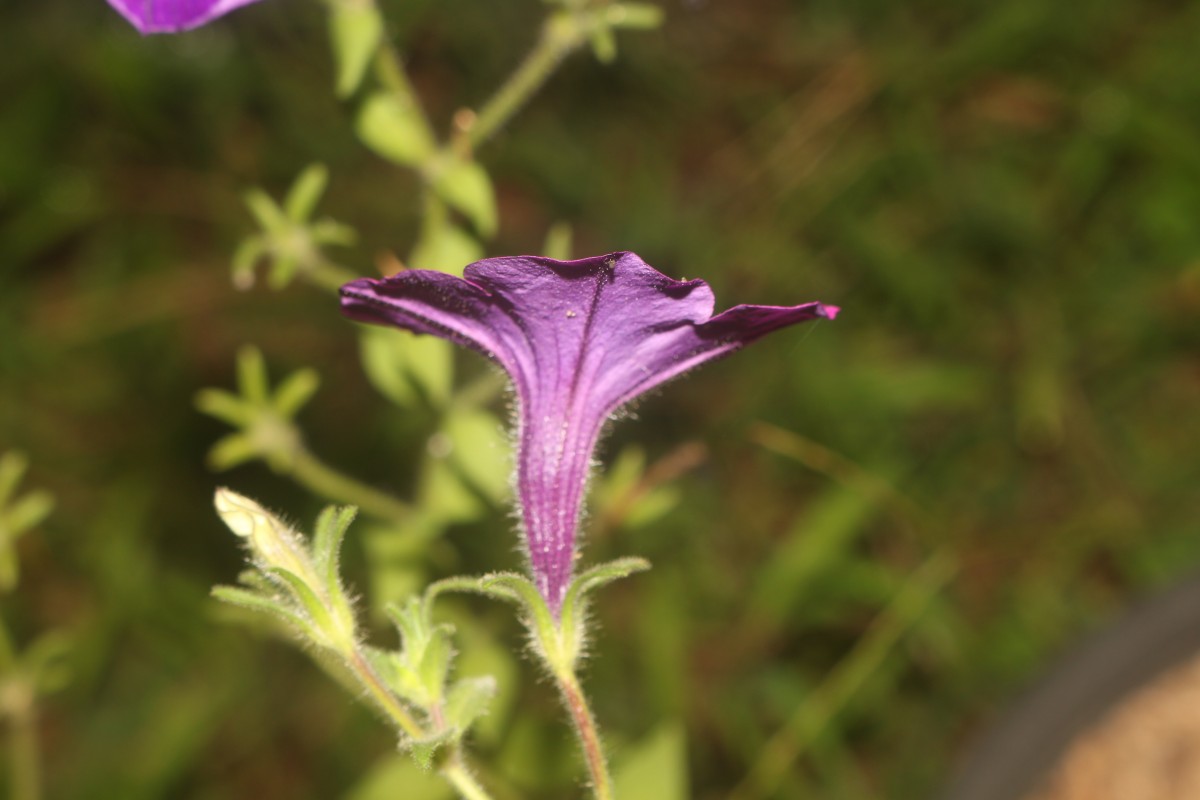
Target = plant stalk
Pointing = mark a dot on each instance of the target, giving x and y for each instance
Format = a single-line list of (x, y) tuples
[(561, 34), (319, 477), (589, 734)]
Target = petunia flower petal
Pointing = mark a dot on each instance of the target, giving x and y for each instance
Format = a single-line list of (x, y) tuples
[(172, 16), (579, 339)]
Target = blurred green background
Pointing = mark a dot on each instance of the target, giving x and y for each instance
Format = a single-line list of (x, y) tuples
[(994, 447)]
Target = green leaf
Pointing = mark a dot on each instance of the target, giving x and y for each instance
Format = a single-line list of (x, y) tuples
[(481, 451), (401, 365), (395, 130), (306, 193), (447, 248), (356, 30), (558, 241), (468, 700), (466, 187), (442, 493), (655, 768)]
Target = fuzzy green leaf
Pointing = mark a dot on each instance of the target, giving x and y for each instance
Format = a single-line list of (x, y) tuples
[(466, 187), (356, 30), (395, 130)]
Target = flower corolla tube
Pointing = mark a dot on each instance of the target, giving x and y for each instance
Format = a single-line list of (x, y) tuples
[(172, 16), (579, 340)]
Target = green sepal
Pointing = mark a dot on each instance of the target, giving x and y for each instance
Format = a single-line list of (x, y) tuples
[(12, 468), (329, 634), (635, 16), (294, 392), (275, 608), (331, 528), (574, 600), (231, 451), (225, 406), (466, 187), (26, 512), (266, 211), (394, 129), (305, 193), (356, 29)]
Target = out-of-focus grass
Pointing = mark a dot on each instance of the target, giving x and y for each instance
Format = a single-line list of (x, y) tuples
[(1003, 197)]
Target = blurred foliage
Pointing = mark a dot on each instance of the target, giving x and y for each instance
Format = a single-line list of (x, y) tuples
[(1002, 196)]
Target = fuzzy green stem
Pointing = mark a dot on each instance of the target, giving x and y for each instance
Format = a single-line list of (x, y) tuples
[(589, 734), (561, 34), (382, 696), (457, 774), (309, 471)]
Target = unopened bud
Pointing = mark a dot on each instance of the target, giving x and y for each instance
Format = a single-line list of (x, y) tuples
[(273, 542)]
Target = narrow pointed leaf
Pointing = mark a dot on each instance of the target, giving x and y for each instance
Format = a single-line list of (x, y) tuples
[(231, 451)]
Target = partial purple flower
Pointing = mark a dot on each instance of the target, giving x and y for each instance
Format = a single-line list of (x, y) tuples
[(579, 339), (172, 16)]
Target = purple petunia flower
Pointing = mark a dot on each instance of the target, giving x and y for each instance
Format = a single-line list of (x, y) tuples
[(579, 339), (171, 16)]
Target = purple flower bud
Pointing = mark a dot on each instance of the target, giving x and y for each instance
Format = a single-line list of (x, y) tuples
[(172, 16), (579, 339)]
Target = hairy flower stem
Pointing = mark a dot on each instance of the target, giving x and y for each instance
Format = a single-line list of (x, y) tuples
[(561, 34), (313, 474), (457, 774), (589, 734)]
